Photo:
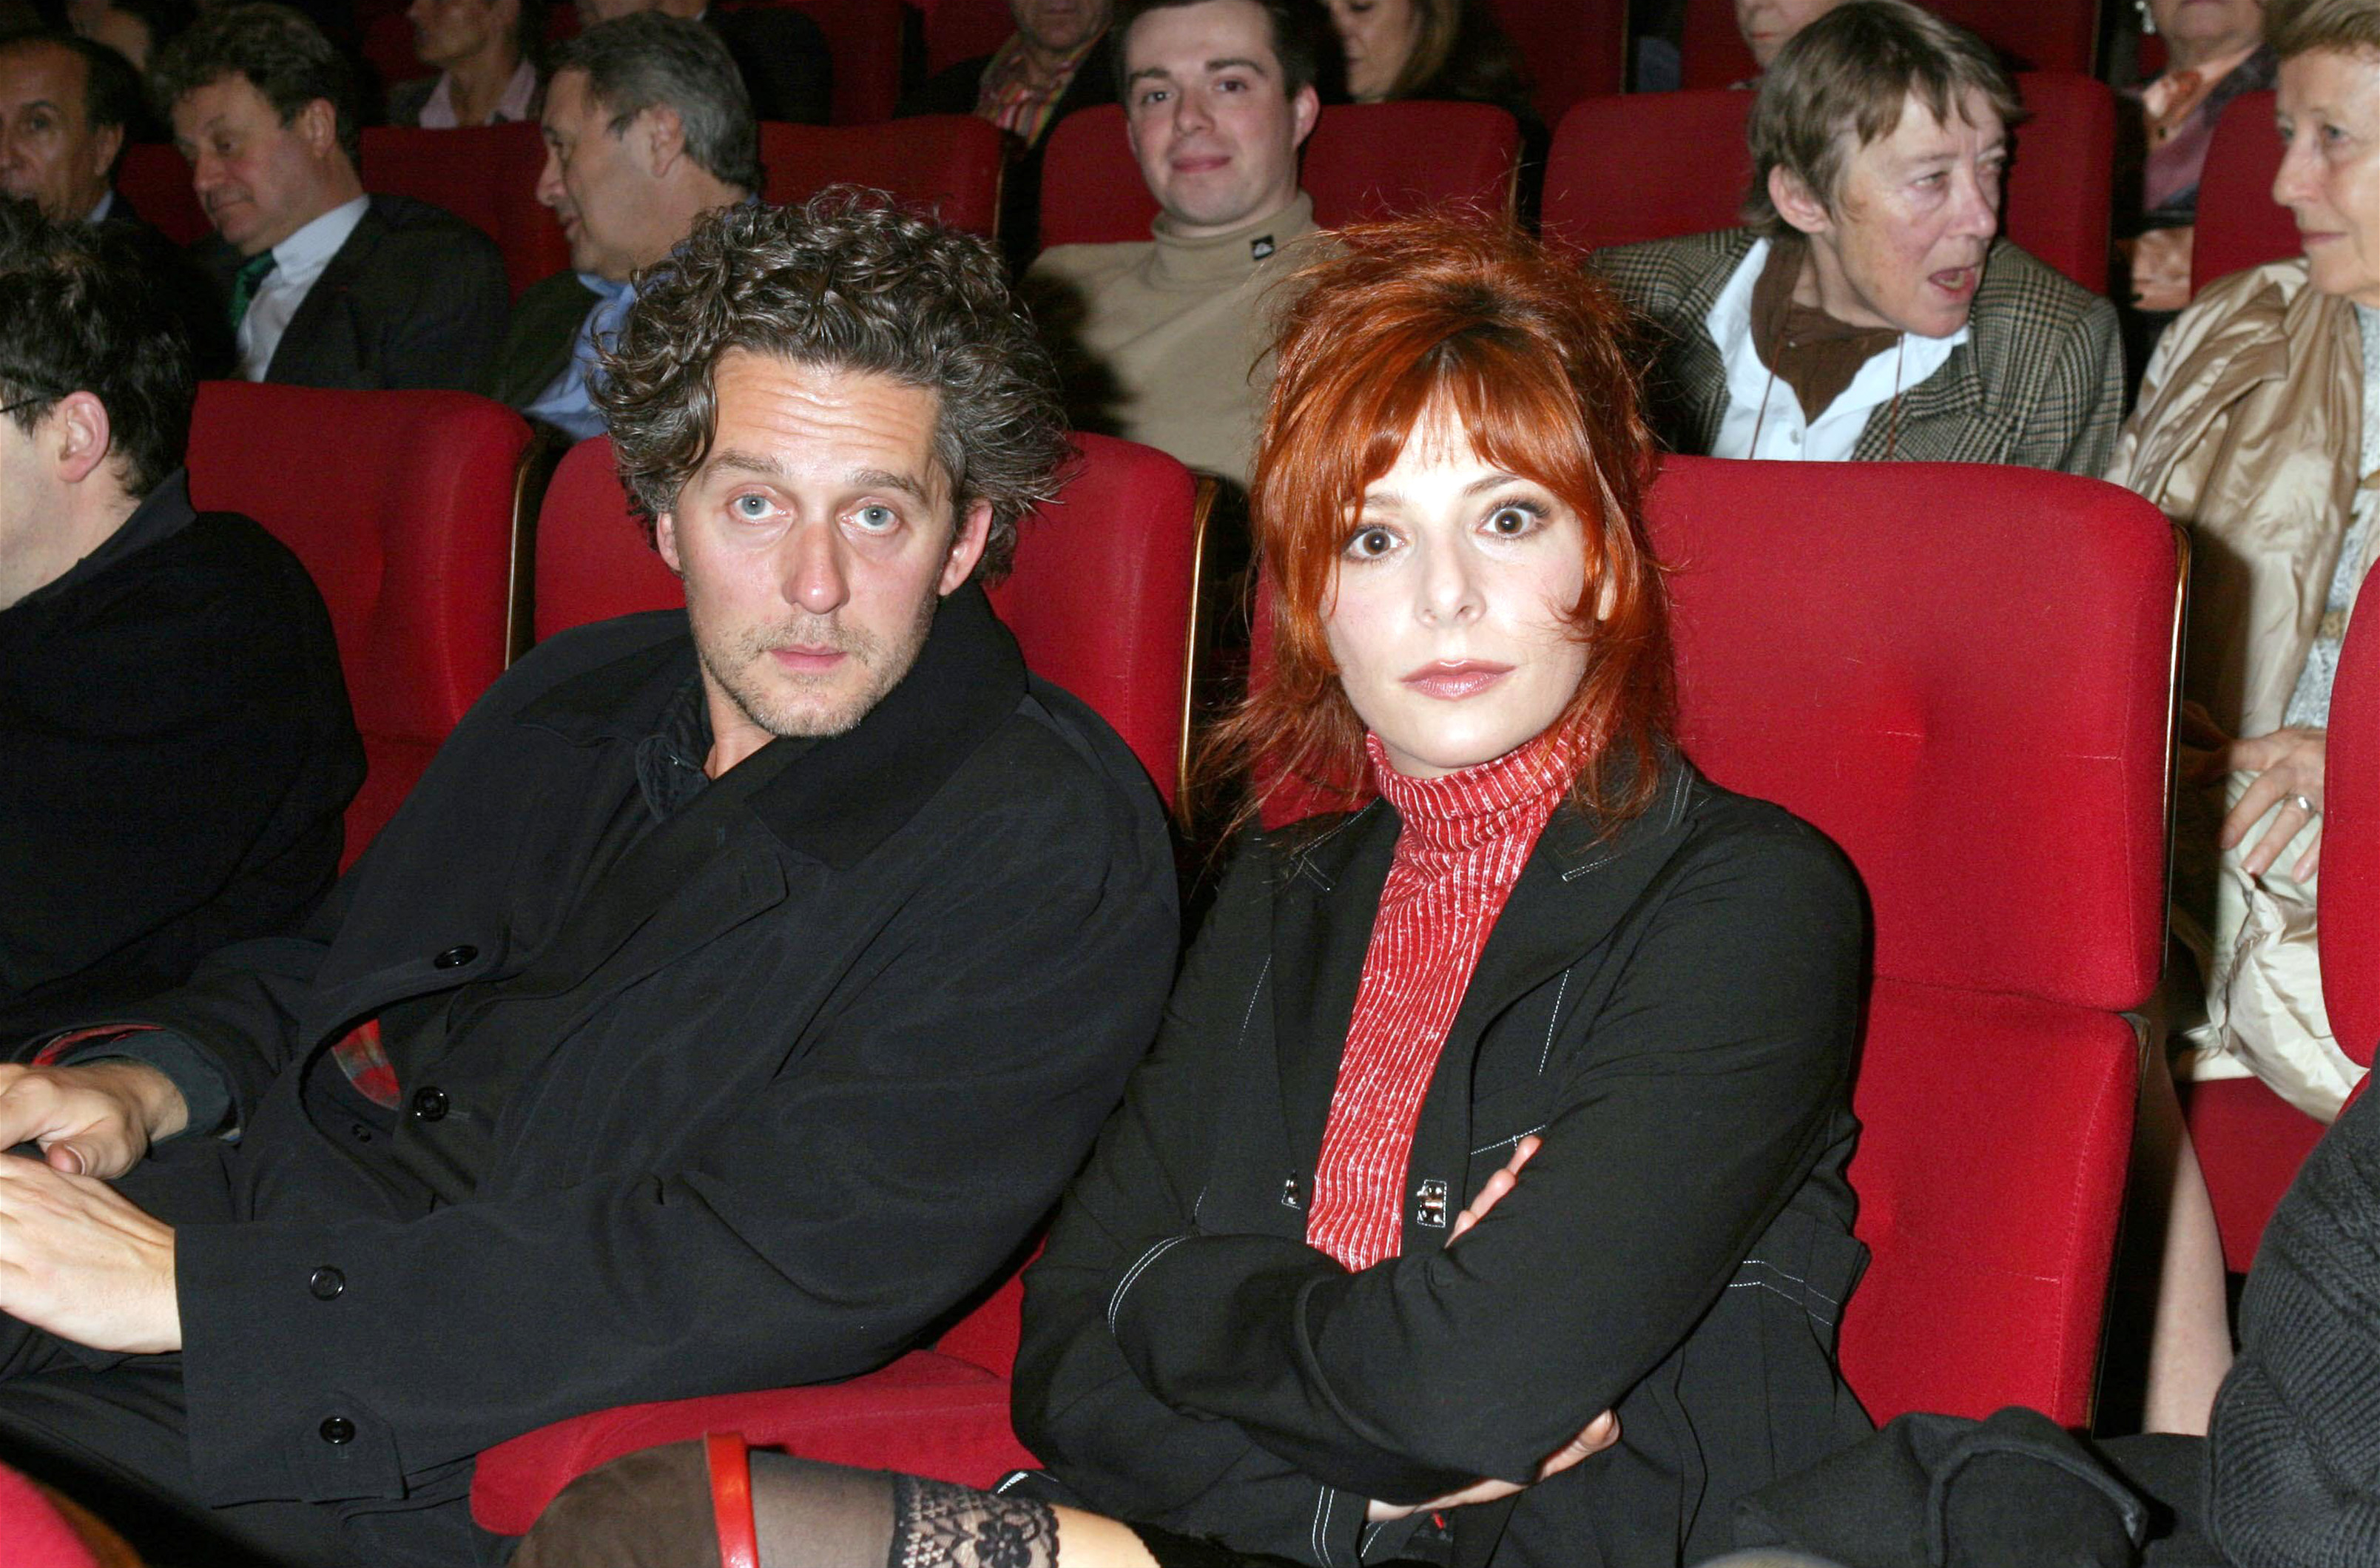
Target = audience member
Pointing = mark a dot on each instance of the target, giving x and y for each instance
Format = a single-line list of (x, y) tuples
[(178, 743), (1430, 49), (324, 286), (647, 128), (1163, 340), (1768, 25), (65, 107), (1050, 66), (1342, 1252), (134, 28), (485, 54), (1867, 311), (731, 998), (781, 51), (2258, 420), (2213, 55)]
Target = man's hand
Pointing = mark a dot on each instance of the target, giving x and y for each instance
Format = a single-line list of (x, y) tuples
[(2160, 268), (1593, 1438), (2288, 767), (79, 1259), (95, 1120)]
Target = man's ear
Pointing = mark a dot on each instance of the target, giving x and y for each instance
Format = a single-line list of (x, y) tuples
[(317, 127), (79, 433), (1797, 203), (1304, 105), (665, 541), (661, 138), (966, 547), (106, 144)]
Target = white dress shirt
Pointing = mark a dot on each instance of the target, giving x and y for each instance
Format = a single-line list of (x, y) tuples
[(1757, 400), (298, 262)]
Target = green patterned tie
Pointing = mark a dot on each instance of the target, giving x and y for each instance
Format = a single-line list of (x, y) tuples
[(246, 282)]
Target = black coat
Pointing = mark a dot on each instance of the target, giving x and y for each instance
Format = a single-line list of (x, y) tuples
[(1674, 1010), (416, 298), (783, 57), (783, 1117), (179, 750)]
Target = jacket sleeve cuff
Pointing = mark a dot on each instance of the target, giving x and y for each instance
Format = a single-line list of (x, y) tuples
[(204, 1090)]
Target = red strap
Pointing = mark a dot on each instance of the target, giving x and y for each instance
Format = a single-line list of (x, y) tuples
[(731, 1499)]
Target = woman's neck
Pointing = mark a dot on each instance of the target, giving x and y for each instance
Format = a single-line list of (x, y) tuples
[(476, 86), (2195, 53)]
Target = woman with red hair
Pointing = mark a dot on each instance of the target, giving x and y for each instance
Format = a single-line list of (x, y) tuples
[(1482, 1199)]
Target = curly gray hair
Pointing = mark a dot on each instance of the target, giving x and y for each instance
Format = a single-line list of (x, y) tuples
[(851, 281)]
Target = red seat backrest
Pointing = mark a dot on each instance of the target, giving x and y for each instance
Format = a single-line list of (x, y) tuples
[(962, 29), (1100, 598), (1570, 49), (484, 175), (2044, 35), (950, 165), (388, 49), (2349, 926), (156, 180), (1988, 746), (2240, 224), (1673, 180), (401, 505), (37, 1533), (1362, 161), (864, 39)]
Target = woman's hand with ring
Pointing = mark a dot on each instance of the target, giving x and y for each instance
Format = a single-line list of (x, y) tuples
[(2288, 768)]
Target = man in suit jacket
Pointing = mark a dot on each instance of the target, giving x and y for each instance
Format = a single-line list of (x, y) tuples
[(1868, 311), (783, 55), (647, 127), (1052, 66), (323, 286), (734, 994), (171, 705)]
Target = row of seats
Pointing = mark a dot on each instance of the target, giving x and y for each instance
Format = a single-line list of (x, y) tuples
[(2044, 35)]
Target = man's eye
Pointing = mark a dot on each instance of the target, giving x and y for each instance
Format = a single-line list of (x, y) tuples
[(876, 519), (749, 506)]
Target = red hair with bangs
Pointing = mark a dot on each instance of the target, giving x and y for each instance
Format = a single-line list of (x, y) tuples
[(1529, 354)]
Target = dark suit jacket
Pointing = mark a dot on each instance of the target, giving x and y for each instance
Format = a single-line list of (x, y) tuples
[(544, 325), (1673, 1008), (783, 1116), (179, 750), (416, 298), (188, 292), (2039, 381), (784, 59), (954, 91)]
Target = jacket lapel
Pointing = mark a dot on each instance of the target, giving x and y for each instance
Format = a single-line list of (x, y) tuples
[(1698, 371), (299, 354)]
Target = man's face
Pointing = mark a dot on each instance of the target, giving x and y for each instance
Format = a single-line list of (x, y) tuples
[(1216, 136), (592, 179), (49, 154), (1060, 27), (592, 13), (260, 181), (1768, 25), (815, 541), (446, 31), (1903, 243)]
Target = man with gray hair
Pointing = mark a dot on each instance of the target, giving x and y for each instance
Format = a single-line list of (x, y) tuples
[(1867, 310), (647, 127)]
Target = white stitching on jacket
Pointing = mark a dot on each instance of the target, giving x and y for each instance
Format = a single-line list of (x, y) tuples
[(1560, 991), (1151, 1256)]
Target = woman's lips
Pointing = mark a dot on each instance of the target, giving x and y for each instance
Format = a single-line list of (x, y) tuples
[(1455, 680), (1958, 282)]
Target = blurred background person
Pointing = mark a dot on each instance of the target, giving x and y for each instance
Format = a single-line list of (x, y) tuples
[(1430, 49), (134, 28), (781, 51), (1769, 25), (485, 54)]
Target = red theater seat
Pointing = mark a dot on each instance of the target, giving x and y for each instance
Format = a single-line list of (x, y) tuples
[(2240, 224), (964, 30), (2041, 35), (1362, 161), (38, 1535), (1571, 49), (1987, 743), (156, 180), (388, 50), (1657, 165), (401, 506), (484, 175), (950, 165), (864, 39), (1100, 599)]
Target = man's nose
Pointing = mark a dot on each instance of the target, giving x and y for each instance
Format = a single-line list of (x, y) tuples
[(817, 576)]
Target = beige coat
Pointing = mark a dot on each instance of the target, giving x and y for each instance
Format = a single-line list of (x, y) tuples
[(2247, 431)]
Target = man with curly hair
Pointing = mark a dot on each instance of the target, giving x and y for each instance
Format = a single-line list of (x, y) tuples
[(730, 999)]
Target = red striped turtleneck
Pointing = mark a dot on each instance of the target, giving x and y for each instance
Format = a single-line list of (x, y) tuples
[(1464, 837)]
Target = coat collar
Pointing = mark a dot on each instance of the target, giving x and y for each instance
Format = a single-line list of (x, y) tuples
[(850, 792)]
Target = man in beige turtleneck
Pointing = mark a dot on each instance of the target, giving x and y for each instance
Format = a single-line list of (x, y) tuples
[(1160, 340)]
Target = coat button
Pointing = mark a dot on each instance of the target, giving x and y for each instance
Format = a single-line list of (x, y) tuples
[(327, 1284), (456, 957), (429, 1102), (337, 1431)]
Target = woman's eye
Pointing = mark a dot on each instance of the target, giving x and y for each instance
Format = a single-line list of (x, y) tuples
[(1512, 522), (1370, 544)]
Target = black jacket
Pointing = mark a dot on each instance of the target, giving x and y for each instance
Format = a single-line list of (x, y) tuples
[(1673, 1008), (538, 341), (784, 60), (177, 752), (782, 1118), (954, 91), (416, 298)]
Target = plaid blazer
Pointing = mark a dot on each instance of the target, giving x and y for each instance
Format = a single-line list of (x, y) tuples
[(2039, 381)]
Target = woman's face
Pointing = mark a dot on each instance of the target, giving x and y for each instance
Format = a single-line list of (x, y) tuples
[(2329, 116), (1448, 613), (1768, 25), (2209, 28), (1379, 36)]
